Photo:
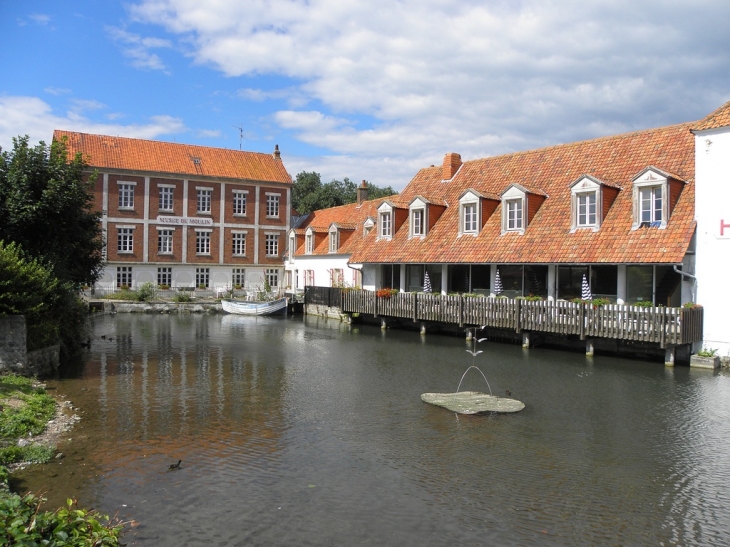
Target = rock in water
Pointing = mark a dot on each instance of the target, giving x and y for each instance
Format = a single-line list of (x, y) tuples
[(472, 402)]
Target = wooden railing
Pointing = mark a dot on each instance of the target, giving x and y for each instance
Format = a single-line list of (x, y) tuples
[(665, 326), (324, 296)]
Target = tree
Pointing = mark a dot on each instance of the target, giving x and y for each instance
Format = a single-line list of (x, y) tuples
[(46, 206), (309, 194)]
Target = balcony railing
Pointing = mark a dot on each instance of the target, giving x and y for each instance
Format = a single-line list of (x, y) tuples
[(665, 326)]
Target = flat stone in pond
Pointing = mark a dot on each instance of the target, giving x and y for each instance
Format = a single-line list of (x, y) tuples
[(472, 402)]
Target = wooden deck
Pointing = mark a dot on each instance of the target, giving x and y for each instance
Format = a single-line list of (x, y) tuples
[(665, 326)]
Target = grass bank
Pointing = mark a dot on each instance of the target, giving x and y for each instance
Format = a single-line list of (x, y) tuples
[(25, 410)]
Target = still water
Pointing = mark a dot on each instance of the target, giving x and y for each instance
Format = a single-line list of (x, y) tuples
[(303, 431)]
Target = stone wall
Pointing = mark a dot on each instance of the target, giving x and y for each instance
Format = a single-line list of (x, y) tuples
[(42, 362), (324, 311), (13, 355)]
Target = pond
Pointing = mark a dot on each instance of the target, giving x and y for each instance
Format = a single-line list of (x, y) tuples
[(307, 431)]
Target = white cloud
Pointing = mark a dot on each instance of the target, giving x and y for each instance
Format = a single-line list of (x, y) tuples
[(32, 116), (208, 133), (458, 75), (40, 18), (137, 48), (57, 90)]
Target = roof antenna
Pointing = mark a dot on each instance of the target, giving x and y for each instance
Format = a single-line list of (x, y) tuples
[(240, 135)]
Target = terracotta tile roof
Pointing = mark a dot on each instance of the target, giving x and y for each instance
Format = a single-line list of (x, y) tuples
[(121, 153), (547, 239), (348, 217), (429, 199), (719, 118)]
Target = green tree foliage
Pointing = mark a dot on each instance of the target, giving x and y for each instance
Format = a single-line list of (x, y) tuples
[(46, 207), (26, 286), (309, 194)]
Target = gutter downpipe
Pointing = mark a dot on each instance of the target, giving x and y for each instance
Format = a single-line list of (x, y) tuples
[(692, 277)]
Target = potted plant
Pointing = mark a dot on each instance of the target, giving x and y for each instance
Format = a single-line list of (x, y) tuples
[(705, 358)]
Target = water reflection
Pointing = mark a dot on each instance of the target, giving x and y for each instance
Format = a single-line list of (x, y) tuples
[(312, 432)]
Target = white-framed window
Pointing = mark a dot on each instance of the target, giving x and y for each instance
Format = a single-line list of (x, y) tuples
[(202, 242), (651, 198), (514, 214), (239, 202), (164, 241), (126, 195), (204, 200), (586, 211), (272, 205), (469, 213), (309, 243), (124, 277), (239, 243), (651, 204), (202, 278), (167, 198), (164, 277), (309, 278), (272, 244), (386, 224), (125, 239), (334, 241), (470, 206), (418, 220), (337, 277), (272, 276), (238, 278)]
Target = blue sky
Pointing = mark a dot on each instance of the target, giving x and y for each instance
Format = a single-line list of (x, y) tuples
[(367, 90)]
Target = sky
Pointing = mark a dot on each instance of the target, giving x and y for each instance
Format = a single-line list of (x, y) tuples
[(371, 90)]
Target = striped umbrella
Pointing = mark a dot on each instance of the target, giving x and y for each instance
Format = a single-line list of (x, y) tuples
[(585, 290), (498, 284), (426, 283)]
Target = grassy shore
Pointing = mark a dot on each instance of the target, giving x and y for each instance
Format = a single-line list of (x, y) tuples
[(25, 411)]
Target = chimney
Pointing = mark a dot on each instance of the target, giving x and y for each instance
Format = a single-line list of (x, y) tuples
[(452, 162), (277, 154), (362, 193)]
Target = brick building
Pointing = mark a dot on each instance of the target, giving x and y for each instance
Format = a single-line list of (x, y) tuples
[(179, 215)]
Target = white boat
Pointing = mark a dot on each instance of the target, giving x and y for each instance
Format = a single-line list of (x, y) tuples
[(242, 307)]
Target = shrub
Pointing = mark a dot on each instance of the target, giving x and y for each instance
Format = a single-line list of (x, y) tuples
[(23, 523), (644, 304), (182, 297), (707, 352), (33, 453), (691, 305), (145, 292), (533, 298), (385, 293), (598, 302)]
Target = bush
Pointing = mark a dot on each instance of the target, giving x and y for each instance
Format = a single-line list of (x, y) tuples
[(691, 305), (22, 523), (145, 292), (598, 302), (182, 297), (32, 453), (707, 352)]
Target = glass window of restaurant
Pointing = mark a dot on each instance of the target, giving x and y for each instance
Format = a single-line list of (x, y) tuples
[(511, 277), (459, 278), (639, 284), (604, 282), (536, 281), (570, 279), (481, 277), (391, 276)]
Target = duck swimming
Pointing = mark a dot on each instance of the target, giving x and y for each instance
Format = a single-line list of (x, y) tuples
[(175, 465)]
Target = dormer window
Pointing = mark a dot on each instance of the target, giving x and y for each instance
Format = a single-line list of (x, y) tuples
[(586, 204), (417, 223), (334, 240), (470, 210), (519, 206), (590, 200), (514, 214), (367, 226), (650, 202), (655, 195), (386, 224)]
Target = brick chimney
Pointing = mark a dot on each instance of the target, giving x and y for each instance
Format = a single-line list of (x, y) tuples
[(277, 154), (452, 162), (362, 193)]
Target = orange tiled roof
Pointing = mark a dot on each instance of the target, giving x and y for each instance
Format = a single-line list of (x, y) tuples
[(121, 153), (351, 216), (548, 237), (719, 118)]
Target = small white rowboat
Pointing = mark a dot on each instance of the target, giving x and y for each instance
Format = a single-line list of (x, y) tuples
[(241, 307)]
